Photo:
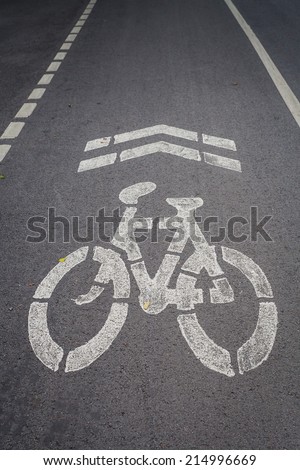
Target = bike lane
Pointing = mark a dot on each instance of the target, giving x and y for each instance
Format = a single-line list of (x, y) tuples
[(133, 66)]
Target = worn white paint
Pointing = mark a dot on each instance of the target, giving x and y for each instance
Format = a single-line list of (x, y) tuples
[(76, 30), (250, 269), (155, 130), (13, 130), (157, 147), (97, 162), (80, 22), (222, 293), (84, 17), (66, 46), (223, 162), (92, 294), (60, 56), (257, 349), (46, 79), (205, 349), (86, 354), (154, 292), (123, 237), (71, 37), (4, 149), (48, 284), (112, 269), (286, 93), (46, 350), (132, 194), (36, 93), (26, 110), (219, 142), (54, 66), (97, 143)]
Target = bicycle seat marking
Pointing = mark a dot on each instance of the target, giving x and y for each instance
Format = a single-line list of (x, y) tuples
[(155, 293)]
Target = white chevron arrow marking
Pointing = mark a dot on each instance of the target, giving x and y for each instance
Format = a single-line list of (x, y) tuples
[(164, 147), (154, 130)]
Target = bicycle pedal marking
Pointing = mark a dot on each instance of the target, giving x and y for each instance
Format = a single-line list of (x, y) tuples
[(155, 294), (161, 146)]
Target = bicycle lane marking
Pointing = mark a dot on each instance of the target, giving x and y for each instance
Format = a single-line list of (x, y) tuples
[(155, 294), (15, 127)]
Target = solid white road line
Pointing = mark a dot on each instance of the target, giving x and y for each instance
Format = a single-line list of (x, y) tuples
[(154, 130), (97, 162), (223, 162), (36, 94), (97, 143), (219, 142), (13, 130), (164, 147), (286, 93), (54, 66), (46, 79), (4, 149)]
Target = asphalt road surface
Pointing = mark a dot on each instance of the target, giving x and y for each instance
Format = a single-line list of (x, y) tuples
[(138, 360)]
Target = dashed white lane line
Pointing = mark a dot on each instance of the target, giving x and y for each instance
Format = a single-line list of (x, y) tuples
[(60, 56), (26, 110), (46, 79), (71, 37), (53, 67), (76, 30), (223, 162), (286, 93), (13, 130), (4, 149), (219, 142), (66, 46), (36, 94)]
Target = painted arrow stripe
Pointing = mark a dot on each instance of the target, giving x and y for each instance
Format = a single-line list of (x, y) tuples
[(97, 162), (154, 130), (219, 142), (164, 147), (223, 162)]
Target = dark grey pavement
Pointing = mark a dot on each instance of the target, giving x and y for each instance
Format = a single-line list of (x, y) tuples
[(136, 64)]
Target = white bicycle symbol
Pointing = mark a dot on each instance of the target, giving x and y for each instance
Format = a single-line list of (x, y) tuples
[(155, 295)]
